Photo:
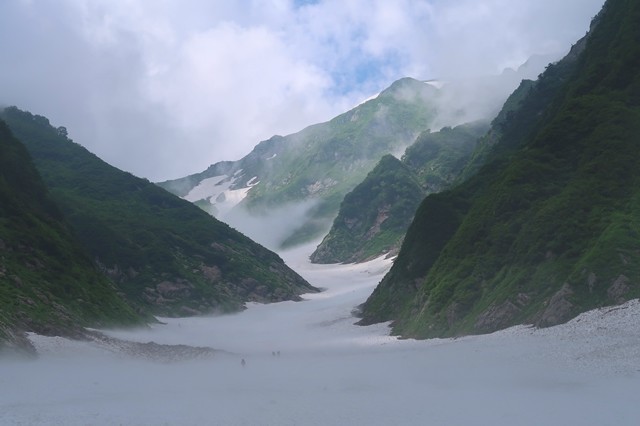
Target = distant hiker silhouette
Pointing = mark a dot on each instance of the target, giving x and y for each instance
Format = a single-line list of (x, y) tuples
[(243, 362)]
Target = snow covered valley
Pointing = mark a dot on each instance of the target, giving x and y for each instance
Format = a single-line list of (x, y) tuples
[(307, 364)]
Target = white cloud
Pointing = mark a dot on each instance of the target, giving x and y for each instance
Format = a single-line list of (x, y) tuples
[(244, 76), (165, 88)]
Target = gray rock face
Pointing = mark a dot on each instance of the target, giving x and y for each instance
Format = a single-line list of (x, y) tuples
[(211, 273), (559, 308), (618, 289), (496, 316), (170, 290), (15, 343), (592, 279), (502, 315)]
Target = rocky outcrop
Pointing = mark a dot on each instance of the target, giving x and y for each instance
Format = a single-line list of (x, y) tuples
[(501, 315), (151, 351), (619, 289), (559, 309), (169, 292), (15, 343)]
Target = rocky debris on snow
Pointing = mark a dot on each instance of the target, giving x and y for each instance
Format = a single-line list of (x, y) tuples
[(97, 341)]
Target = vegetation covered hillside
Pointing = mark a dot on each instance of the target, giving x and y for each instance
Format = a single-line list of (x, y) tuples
[(162, 252), (321, 163), (374, 217), (550, 226), (47, 282)]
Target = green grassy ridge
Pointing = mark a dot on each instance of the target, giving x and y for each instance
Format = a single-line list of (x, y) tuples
[(143, 236), (341, 152), (47, 282), (359, 137), (553, 216), (392, 193)]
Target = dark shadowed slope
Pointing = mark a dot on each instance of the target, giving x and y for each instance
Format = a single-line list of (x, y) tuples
[(47, 282), (162, 252)]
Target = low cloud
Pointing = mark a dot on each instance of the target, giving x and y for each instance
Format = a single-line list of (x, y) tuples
[(330, 371), (271, 228), (163, 89)]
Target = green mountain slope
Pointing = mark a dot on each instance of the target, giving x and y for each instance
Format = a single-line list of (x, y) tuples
[(374, 217), (47, 282), (549, 227), (319, 164), (162, 252)]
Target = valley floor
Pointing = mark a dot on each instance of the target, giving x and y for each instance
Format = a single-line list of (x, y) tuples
[(329, 371)]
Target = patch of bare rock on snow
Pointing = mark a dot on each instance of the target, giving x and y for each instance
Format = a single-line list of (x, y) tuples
[(98, 343)]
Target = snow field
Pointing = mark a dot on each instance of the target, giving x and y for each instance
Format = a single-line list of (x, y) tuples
[(331, 372)]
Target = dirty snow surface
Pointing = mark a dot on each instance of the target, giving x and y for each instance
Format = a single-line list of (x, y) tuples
[(307, 364)]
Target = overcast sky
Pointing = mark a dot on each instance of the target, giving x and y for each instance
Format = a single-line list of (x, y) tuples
[(163, 88)]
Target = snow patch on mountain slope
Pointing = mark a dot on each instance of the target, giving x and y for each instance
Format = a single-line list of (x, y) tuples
[(231, 199), (217, 192), (209, 187)]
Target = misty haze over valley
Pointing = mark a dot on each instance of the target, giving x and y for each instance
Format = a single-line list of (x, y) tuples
[(294, 212), (329, 371)]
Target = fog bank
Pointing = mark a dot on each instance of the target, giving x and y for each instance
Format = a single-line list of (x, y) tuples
[(329, 371)]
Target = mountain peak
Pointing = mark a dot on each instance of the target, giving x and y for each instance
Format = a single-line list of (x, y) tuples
[(408, 86)]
